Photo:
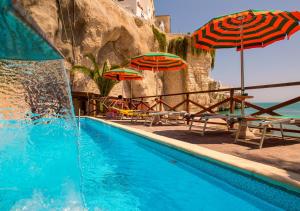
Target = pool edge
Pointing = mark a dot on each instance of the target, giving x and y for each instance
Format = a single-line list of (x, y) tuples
[(267, 173)]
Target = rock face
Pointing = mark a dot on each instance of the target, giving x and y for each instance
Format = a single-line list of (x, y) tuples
[(103, 28), (195, 78)]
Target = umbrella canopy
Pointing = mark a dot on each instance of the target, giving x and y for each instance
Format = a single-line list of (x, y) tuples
[(247, 29), (123, 74), (158, 62)]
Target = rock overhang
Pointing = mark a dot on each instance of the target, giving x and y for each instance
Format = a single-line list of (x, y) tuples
[(20, 39)]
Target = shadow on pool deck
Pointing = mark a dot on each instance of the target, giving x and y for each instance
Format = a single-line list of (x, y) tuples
[(275, 152)]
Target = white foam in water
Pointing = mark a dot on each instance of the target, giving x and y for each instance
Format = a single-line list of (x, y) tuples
[(36, 115), (39, 202)]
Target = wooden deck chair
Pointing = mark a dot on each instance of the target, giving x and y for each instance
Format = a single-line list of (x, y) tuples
[(263, 124), (170, 117), (133, 114), (204, 118)]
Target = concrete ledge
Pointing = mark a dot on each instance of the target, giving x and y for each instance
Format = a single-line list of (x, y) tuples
[(269, 174)]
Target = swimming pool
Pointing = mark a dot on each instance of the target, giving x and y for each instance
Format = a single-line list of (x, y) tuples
[(118, 170)]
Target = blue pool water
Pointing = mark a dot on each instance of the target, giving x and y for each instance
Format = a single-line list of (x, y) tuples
[(117, 170)]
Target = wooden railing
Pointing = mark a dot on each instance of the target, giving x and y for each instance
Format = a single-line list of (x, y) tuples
[(232, 100), (93, 101), (90, 104)]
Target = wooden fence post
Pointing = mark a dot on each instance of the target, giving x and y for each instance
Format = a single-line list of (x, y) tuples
[(94, 108), (187, 103), (160, 103), (232, 106), (88, 107)]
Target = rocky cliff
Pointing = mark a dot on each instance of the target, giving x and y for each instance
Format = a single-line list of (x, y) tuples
[(105, 29)]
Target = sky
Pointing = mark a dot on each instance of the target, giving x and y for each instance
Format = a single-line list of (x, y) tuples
[(279, 62)]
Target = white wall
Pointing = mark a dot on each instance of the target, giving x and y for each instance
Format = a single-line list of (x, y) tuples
[(130, 5), (140, 8), (148, 9)]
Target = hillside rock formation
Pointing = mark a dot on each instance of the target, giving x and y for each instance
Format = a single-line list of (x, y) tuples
[(105, 29)]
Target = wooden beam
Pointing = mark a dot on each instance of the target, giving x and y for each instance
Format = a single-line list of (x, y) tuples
[(272, 113), (164, 103), (179, 104), (201, 106), (142, 103), (280, 105), (214, 106), (151, 108)]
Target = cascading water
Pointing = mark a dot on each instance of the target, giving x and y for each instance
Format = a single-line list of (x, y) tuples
[(38, 154), (39, 146), (35, 91)]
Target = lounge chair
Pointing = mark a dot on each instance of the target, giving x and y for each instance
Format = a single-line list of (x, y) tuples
[(204, 118), (133, 114), (263, 124), (154, 117)]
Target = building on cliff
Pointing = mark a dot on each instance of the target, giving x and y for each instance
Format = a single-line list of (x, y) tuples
[(146, 9), (141, 8), (163, 22)]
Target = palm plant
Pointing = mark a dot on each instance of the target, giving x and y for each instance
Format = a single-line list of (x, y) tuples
[(96, 73)]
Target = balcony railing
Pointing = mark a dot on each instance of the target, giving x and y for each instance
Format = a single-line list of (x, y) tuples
[(92, 102)]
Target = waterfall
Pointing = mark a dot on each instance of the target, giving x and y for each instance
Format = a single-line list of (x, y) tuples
[(37, 120), (39, 142), (33, 91)]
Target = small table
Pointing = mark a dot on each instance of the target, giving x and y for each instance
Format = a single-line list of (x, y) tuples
[(243, 97)]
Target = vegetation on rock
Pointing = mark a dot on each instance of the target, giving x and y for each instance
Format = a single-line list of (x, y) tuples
[(199, 51), (96, 74), (179, 46), (161, 39)]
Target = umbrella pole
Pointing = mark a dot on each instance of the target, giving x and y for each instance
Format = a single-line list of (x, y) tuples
[(122, 88), (130, 89), (242, 82), (244, 130), (156, 85), (242, 72), (130, 93), (156, 81), (156, 78)]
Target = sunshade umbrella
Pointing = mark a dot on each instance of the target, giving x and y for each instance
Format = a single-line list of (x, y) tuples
[(124, 74), (158, 61), (247, 29)]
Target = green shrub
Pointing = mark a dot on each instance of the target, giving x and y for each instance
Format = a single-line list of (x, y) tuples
[(179, 46), (161, 39)]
